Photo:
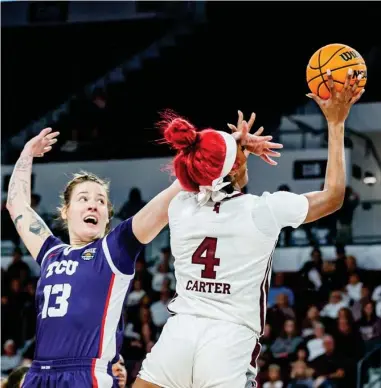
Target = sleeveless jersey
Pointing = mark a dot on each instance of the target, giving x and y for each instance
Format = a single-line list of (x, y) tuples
[(223, 253), (80, 296)]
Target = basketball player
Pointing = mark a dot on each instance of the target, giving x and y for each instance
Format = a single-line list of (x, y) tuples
[(83, 285), (223, 242)]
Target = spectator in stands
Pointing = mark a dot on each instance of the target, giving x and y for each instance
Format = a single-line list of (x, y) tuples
[(120, 373), (286, 344), (301, 354), (29, 312), (163, 273), (277, 314), (330, 368), (274, 377), (354, 287), (132, 206), (369, 324), (277, 288), (347, 333), (18, 269), (336, 302), (340, 266), (301, 376), (311, 275), (159, 309), (16, 378), (166, 257), (11, 358), (359, 304), (312, 317), (142, 274), (315, 344), (376, 296), (136, 295), (345, 216), (352, 268), (14, 305)]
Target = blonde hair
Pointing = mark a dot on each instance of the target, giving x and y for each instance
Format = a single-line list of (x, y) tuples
[(82, 177)]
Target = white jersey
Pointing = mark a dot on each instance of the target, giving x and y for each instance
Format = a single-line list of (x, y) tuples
[(223, 253)]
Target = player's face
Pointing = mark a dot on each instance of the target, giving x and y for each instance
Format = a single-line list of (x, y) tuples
[(87, 213), (240, 176), (120, 372)]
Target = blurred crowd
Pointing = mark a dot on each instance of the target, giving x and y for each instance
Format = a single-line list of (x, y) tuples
[(320, 321)]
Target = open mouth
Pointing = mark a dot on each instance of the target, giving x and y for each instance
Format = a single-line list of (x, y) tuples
[(91, 220)]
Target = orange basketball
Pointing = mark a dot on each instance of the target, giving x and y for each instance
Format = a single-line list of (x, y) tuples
[(338, 58)]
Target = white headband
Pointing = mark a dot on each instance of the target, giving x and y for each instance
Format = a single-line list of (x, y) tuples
[(214, 191), (231, 153)]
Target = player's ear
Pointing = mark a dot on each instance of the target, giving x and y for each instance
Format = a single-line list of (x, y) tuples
[(64, 213)]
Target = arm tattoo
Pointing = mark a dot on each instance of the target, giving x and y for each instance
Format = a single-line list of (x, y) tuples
[(37, 225), (12, 192), (24, 163), (17, 219), (25, 186)]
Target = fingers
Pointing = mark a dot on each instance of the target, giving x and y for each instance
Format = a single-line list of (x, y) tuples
[(45, 131), (357, 97), (259, 132), (356, 83), (348, 80), (274, 145), (240, 119), (314, 97), (331, 84), (269, 152), (52, 135), (232, 127), (268, 160), (51, 142), (244, 132), (251, 121)]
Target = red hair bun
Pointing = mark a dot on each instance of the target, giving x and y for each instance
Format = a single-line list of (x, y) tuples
[(180, 134)]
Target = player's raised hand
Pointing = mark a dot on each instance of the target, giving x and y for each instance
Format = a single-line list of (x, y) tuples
[(258, 145), (255, 143), (337, 107), (239, 126), (39, 145)]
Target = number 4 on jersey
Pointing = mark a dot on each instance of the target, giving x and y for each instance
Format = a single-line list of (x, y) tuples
[(209, 261)]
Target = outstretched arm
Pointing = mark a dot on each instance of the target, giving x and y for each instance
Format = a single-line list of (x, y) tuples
[(28, 223), (336, 110), (150, 220)]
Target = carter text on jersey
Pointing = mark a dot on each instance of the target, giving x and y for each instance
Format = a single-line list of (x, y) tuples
[(208, 287)]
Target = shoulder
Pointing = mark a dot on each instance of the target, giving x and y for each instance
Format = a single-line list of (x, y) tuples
[(51, 245), (182, 199)]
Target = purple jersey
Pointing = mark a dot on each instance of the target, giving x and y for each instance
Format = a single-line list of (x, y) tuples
[(80, 296)]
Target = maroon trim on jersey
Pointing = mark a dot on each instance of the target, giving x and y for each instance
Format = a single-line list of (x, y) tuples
[(234, 196), (255, 354), (263, 298), (172, 300), (217, 205), (105, 314)]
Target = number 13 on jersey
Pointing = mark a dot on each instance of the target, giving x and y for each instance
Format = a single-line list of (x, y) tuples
[(56, 295)]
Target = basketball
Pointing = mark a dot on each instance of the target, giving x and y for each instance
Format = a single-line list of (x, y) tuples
[(338, 58)]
